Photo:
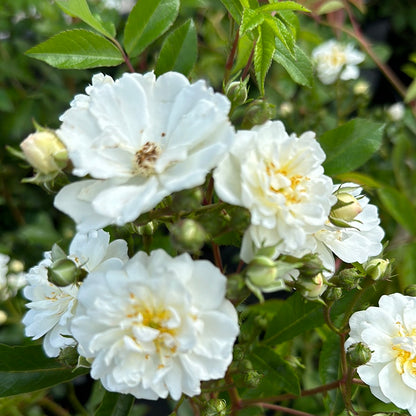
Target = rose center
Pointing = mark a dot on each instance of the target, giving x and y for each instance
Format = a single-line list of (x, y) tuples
[(404, 346), (145, 159)]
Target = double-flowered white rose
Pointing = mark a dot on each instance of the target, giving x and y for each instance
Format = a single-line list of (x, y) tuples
[(280, 179), (156, 326), (52, 307), (358, 235), (335, 60), (140, 139), (390, 333)]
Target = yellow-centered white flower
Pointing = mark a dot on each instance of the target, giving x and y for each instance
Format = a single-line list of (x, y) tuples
[(389, 330), (280, 179), (140, 139), (335, 60), (51, 308), (156, 326)]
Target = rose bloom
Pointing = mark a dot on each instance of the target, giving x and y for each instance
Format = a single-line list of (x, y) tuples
[(389, 330), (156, 326), (335, 60), (280, 179), (361, 236), (52, 307), (140, 139)]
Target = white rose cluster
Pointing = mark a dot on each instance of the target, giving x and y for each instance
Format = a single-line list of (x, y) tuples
[(154, 325), (389, 331)]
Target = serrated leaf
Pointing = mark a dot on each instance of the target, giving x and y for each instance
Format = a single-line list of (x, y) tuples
[(277, 371), (281, 31), (349, 146), (298, 65), (282, 5), (77, 49), (250, 20), (234, 8), (80, 9), (294, 317), (115, 404), (27, 369), (330, 6), (263, 54), (399, 207), (179, 50), (148, 20)]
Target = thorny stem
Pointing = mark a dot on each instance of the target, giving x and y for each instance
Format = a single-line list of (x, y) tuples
[(328, 320), (230, 60), (217, 256), (250, 60), (234, 397)]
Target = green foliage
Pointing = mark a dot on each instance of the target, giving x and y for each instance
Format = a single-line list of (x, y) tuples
[(77, 49), (26, 369), (148, 20), (349, 146), (115, 404), (179, 50)]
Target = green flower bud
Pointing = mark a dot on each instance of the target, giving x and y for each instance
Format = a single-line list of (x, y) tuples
[(311, 266), (215, 407), (347, 278), (346, 208), (311, 288), (358, 354), (410, 290), (258, 112), (147, 229), (376, 268), (69, 357), (45, 152), (188, 235), (252, 378), (332, 294), (236, 288), (236, 92), (262, 271), (64, 272), (187, 200)]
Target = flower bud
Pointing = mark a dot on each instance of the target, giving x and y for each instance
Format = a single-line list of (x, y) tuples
[(311, 265), (187, 200), (3, 317), (147, 229), (361, 88), (236, 92), (286, 109), (188, 235), (396, 111), (358, 354), (252, 378), (347, 278), (69, 356), (311, 289), (236, 288), (346, 208), (410, 290), (64, 272), (258, 112), (332, 294), (215, 407), (45, 152), (376, 268)]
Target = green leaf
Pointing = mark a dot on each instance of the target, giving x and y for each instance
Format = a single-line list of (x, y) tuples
[(294, 317), (80, 9), (179, 50), (297, 65), (282, 5), (148, 20), (115, 404), (399, 207), (406, 264), (27, 369), (281, 31), (251, 19), (330, 6), (77, 49), (349, 146), (277, 372), (234, 8), (245, 46), (263, 54)]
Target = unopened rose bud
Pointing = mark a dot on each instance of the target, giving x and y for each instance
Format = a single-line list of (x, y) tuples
[(346, 208), (361, 88), (147, 229), (313, 288), (188, 235), (262, 271), (45, 152), (187, 200), (376, 268), (236, 92), (253, 378), (396, 111), (286, 109), (258, 113), (347, 278), (69, 356), (410, 290), (358, 354), (64, 272), (215, 407), (332, 294), (311, 266)]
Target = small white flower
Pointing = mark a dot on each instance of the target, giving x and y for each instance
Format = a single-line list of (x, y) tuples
[(280, 179), (359, 241), (52, 307), (141, 139), (335, 60), (390, 332), (396, 111), (156, 326), (122, 6), (10, 283)]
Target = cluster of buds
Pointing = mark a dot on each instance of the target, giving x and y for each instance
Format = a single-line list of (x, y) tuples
[(358, 354)]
